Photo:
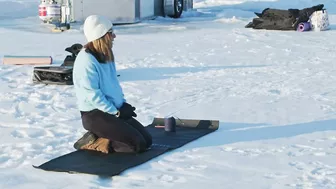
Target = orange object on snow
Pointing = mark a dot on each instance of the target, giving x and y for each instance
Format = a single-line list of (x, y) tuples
[(30, 60)]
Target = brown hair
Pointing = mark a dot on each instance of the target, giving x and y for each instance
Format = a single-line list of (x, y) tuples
[(101, 49)]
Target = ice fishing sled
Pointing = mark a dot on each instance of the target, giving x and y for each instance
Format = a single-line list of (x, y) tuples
[(96, 163), (59, 75)]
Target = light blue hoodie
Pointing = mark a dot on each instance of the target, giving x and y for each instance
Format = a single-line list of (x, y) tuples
[(96, 84)]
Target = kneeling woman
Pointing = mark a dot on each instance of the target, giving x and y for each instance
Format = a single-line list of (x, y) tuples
[(105, 113)]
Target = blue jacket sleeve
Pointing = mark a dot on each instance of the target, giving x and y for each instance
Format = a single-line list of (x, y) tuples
[(115, 71), (93, 94)]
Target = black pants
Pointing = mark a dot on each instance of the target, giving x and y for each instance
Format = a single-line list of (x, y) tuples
[(124, 135)]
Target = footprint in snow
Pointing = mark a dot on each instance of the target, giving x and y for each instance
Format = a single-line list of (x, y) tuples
[(320, 154), (332, 138), (295, 154), (275, 176), (20, 134), (31, 133), (297, 165), (41, 98), (3, 159), (274, 91), (169, 178), (227, 149), (136, 184), (323, 171), (333, 145), (40, 106), (59, 132), (197, 167), (305, 148)]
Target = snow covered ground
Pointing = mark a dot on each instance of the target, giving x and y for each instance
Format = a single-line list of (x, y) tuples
[(273, 92)]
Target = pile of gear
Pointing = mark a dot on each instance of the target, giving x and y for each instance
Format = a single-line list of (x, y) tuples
[(313, 18), (60, 75)]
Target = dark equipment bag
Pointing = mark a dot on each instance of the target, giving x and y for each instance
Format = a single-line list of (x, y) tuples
[(277, 19)]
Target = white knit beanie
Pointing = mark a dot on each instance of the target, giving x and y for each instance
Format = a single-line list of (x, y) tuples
[(96, 26)]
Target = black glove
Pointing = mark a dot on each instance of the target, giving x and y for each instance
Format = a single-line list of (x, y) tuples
[(131, 107), (126, 111), (127, 104)]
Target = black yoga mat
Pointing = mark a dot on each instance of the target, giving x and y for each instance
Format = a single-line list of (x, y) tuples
[(96, 163)]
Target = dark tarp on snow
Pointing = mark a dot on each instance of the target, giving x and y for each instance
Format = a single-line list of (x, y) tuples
[(277, 19), (95, 163)]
